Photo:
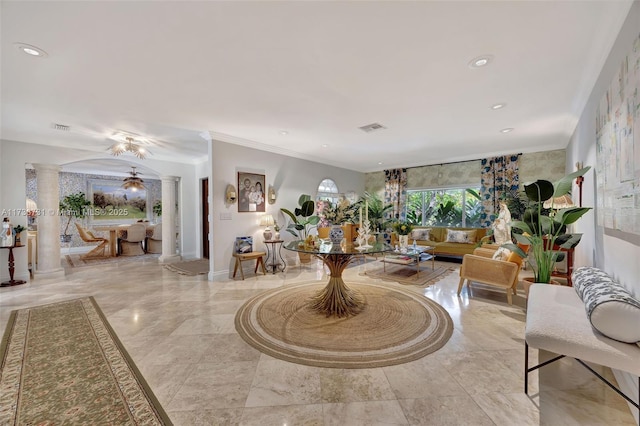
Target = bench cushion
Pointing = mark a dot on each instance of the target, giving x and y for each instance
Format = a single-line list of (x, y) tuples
[(557, 322), (612, 310)]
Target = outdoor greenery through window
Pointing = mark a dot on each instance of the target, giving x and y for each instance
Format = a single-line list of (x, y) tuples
[(454, 207)]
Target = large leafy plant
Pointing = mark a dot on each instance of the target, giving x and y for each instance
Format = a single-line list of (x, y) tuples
[(377, 210), (74, 206), (545, 230), (302, 218)]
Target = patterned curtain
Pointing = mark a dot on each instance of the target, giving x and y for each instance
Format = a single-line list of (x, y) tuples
[(498, 177), (395, 193)]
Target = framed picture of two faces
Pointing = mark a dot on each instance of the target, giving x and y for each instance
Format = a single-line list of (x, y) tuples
[(251, 192)]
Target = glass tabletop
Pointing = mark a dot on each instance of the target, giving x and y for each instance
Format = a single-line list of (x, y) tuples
[(326, 247)]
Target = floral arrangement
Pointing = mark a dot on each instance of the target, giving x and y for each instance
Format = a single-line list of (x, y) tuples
[(402, 227), (343, 211), (311, 242)]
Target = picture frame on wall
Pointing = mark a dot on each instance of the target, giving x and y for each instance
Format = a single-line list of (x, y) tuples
[(251, 196)]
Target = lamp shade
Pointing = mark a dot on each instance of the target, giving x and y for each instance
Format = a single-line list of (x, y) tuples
[(266, 220), (562, 202)]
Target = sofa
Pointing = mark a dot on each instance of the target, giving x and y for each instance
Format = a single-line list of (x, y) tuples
[(461, 241)]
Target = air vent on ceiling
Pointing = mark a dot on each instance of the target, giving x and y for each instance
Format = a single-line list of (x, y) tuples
[(62, 127), (372, 127)]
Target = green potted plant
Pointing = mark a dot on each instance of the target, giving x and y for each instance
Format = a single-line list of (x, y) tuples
[(17, 230), (73, 206), (403, 229), (302, 221), (376, 210), (545, 230), (302, 218)]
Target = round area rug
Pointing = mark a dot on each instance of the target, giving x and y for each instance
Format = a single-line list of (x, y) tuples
[(395, 326)]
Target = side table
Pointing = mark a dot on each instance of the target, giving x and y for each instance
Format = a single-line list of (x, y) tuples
[(275, 261), (11, 269)]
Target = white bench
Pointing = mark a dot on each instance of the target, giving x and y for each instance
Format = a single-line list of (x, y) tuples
[(557, 322)]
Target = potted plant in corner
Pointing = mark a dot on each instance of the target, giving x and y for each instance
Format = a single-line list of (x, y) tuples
[(73, 206), (545, 230), (302, 221)]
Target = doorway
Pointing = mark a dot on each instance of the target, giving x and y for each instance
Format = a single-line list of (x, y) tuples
[(204, 197)]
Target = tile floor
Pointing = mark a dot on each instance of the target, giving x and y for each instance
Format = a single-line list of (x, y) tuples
[(180, 332)]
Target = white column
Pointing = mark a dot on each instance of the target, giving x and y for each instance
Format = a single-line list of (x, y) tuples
[(48, 221), (169, 220)]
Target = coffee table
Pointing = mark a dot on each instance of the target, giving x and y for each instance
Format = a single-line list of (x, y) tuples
[(413, 256)]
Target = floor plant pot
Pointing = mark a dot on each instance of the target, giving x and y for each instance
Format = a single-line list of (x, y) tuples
[(304, 257), (528, 281)]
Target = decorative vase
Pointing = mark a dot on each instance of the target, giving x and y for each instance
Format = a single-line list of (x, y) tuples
[(336, 234), (267, 235), (323, 232), (304, 257), (404, 241), (277, 235)]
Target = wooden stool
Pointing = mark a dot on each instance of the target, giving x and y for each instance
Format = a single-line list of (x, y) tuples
[(240, 257)]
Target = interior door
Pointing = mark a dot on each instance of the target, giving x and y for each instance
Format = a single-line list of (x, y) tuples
[(205, 217)]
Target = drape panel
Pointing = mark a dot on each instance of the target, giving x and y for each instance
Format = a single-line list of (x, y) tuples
[(498, 177), (395, 193)]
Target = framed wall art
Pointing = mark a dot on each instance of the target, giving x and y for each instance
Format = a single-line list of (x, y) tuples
[(250, 192)]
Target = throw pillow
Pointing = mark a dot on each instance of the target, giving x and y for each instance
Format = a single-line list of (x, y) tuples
[(419, 234), (466, 237), (612, 310)]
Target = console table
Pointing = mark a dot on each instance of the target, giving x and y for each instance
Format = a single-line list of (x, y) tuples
[(11, 268), (275, 261)]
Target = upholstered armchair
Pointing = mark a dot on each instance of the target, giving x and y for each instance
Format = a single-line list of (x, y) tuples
[(130, 243), (481, 267), (154, 239), (88, 237)]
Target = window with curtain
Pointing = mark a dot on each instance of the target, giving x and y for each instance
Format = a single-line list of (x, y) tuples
[(453, 207)]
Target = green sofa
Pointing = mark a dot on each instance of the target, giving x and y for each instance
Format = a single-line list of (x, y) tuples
[(437, 237)]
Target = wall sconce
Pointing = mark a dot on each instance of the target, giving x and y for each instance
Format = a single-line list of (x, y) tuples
[(271, 196), (230, 194)]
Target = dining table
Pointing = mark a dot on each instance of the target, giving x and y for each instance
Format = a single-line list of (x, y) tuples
[(336, 298), (114, 231)]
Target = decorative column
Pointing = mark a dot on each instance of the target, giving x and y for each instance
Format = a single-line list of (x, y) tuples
[(169, 220), (48, 239)]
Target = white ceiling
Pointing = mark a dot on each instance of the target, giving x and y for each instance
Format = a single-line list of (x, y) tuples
[(245, 71)]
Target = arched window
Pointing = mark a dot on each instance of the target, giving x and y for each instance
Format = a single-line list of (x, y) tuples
[(328, 190)]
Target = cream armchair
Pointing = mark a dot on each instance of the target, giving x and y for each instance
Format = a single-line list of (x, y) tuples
[(154, 241), (480, 267), (130, 243)]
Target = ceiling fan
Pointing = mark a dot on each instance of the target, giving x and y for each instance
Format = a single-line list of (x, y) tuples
[(133, 182)]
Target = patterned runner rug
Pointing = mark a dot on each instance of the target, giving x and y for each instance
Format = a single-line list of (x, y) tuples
[(396, 326), (63, 364)]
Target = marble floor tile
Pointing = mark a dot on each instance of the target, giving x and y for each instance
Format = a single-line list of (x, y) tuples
[(282, 383), (370, 413), (219, 417), (341, 385), (303, 415), (444, 411), (180, 332)]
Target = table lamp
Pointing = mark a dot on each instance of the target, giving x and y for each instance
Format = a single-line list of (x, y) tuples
[(267, 220)]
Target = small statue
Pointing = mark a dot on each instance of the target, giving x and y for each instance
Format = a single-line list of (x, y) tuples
[(6, 239), (502, 225)]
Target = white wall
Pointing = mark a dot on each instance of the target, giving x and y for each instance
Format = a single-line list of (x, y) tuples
[(617, 257), (14, 156), (290, 177)]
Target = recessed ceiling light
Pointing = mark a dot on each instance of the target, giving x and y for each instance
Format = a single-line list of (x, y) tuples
[(284, 132), (507, 130), (498, 106), (324, 145), (480, 61), (31, 50), (379, 163)]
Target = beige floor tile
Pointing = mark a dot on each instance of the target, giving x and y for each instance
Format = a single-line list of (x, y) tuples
[(340, 385), (303, 415), (226, 348), (422, 378), (282, 383), (444, 411), (370, 413), (220, 417)]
